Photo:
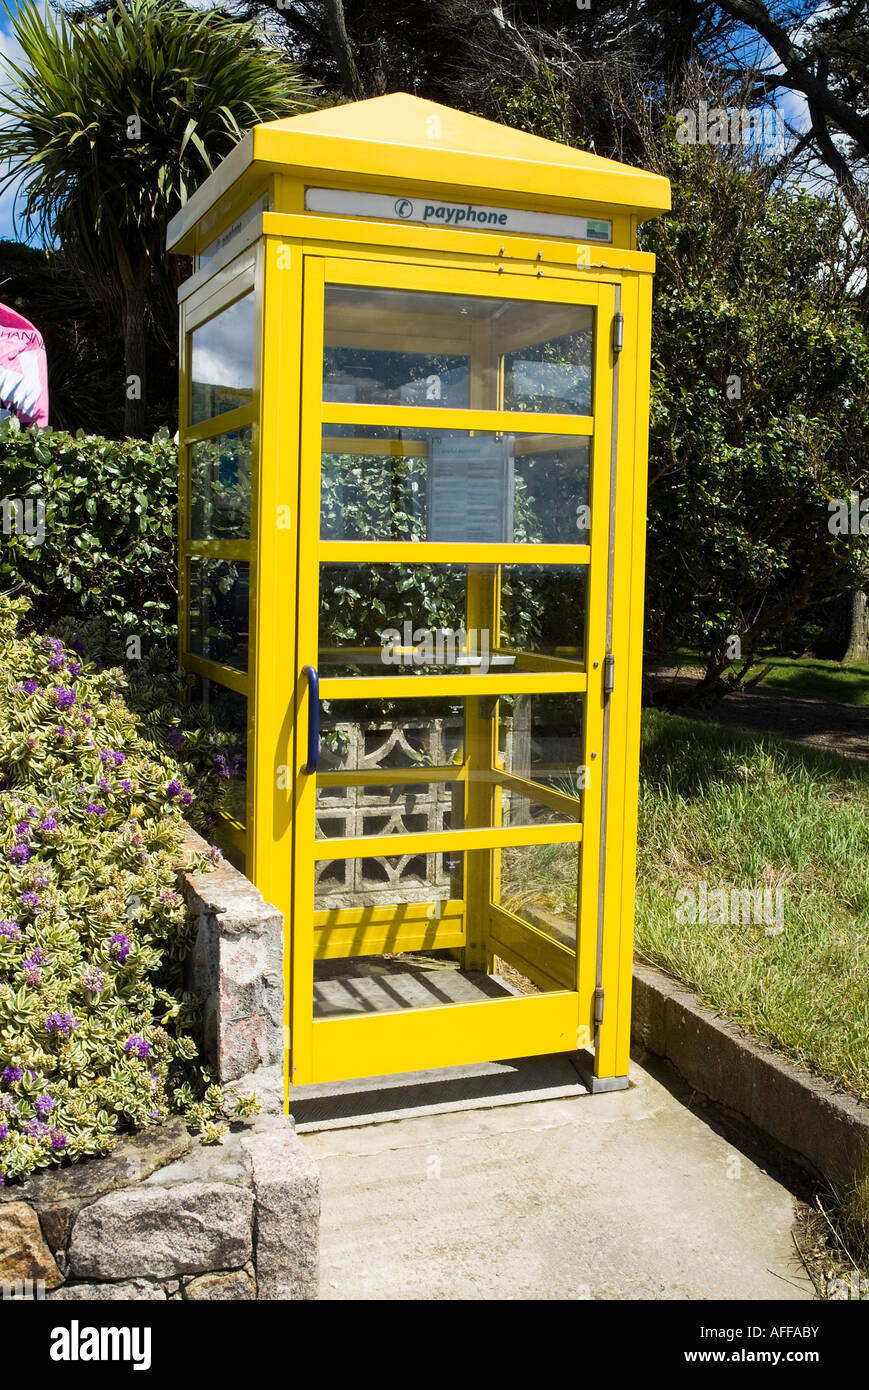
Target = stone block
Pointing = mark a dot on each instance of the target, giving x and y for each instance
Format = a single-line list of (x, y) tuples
[(23, 1251), (163, 1232), (132, 1158), (286, 1183), (129, 1290), (234, 1286)]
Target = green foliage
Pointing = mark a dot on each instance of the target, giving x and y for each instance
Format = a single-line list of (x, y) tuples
[(748, 285), (109, 542), (95, 1029), (114, 120)]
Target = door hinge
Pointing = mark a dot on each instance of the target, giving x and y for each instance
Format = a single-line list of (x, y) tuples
[(618, 333), (609, 674), (598, 1010)]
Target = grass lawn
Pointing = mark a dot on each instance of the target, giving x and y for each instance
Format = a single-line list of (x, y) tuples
[(737, 810), (826, 680)]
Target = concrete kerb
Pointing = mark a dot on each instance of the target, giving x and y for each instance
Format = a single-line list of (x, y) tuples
[(825, 1130)]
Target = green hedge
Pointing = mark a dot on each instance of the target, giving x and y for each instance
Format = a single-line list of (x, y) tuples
[(108, 548)]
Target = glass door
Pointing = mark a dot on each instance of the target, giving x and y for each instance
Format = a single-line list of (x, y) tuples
[(450, 659)]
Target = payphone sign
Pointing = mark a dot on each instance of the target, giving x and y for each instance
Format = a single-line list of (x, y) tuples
[(463, 216)]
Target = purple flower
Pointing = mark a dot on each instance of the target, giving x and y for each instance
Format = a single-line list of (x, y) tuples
[(30, 687), (120, 946), (48, 824), (137, 1047), (37, 955), (61, 731), (168, 898), (23, 830), (31, 972), (44, 1106), (12, 1074), (94, 981), (94, 810), (30, 899), (125, 785), (104, 784), (55, 662), (58, 1139), (60, 1023), (10, 929), (105, 756), (86, 719), (213, 854), (175, 738), (19, 854), (8, 1106), (52, 644), (4, 1130), (77, 643), (174, 788), (118, 758), (37, 1129), (186, 798), (65, 696), (75, 668)]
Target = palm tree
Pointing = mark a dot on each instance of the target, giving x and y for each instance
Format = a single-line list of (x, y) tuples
[(112, 121)]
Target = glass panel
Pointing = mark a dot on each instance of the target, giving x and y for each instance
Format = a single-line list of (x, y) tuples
[(228, 756), (401, 620), (453, 486), (541, 740), (221, 361), (220, 487), (391, 619), (543, 609), (538, 885), (219, 592), (534, 949), (411, 348), (414, 809), (388, 984)]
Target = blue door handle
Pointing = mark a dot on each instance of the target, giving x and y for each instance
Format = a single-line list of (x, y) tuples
[(313, 718)]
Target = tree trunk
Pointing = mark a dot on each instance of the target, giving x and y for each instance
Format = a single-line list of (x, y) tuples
[(343, 51), (858, 642), (134, 361)]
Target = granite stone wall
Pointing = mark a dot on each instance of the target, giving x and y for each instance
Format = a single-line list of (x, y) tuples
[(164, 1216)]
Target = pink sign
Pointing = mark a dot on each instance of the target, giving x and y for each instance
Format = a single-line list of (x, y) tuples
[(23, 372)]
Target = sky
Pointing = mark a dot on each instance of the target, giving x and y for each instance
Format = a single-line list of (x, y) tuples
[(9, 48), (792, 105)]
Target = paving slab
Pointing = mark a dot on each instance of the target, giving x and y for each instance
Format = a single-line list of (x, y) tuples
[(627, 1195)]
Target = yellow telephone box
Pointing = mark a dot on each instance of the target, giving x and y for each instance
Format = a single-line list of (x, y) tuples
[(413, 428)]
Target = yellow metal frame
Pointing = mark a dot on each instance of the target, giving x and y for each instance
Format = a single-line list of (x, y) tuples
[(287, 265), (322, 1049)]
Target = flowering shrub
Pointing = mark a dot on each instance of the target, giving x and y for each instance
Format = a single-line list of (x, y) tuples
[(95, 1032)]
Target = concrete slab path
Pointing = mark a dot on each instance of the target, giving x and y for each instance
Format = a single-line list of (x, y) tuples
[(629, 1195)]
